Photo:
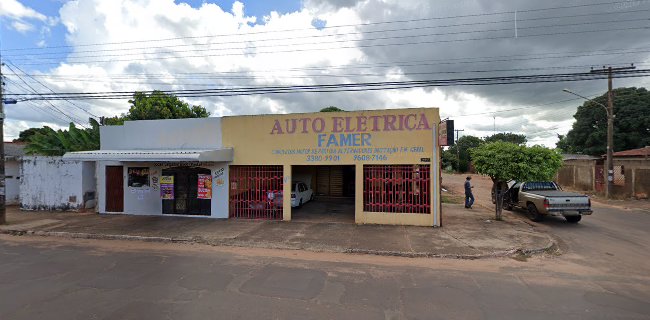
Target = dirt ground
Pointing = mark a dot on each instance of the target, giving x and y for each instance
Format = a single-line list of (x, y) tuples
[(482, 187)]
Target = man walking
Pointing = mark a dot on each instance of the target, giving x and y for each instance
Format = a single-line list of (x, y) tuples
[(469, 197)]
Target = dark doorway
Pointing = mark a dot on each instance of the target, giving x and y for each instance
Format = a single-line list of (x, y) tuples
[(334, 193), (186, 191), (114, 189)]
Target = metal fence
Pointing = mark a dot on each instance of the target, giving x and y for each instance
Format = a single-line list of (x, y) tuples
[(397, 188), (256, 192)]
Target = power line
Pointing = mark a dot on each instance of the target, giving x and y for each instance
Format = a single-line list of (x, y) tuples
[(334, 26), (48, 88), (48, 102), (82, 59), (344, 87), (240, 41), (295, 50)]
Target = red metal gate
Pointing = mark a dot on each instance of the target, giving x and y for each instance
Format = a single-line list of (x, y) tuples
[(397, 188), (256, 192)]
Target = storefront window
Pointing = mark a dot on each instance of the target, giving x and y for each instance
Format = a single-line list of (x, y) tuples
[(138, 177)]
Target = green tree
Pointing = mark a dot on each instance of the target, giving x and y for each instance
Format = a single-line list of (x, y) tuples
[(24, 135), (563, 144), (631, 123), (504, 161), (157, 105), (460, 150), (507, 137), (331, 109), (50, 142)]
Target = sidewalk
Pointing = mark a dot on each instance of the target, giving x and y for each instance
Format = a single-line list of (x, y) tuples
[(465, 233)]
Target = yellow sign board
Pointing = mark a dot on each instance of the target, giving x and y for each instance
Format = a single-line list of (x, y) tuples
[(380, 136)]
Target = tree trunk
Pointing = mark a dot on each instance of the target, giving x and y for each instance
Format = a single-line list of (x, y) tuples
[(499, 187)]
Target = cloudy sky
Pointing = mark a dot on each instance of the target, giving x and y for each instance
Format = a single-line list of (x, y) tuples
[(119, 45)]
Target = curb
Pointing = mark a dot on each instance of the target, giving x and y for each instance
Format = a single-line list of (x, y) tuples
[(198, 240)]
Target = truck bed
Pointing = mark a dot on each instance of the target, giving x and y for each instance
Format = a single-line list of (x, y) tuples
[(555, 193)]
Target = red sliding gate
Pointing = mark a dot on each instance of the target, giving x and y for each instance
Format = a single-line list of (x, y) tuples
[(397, 188), (256, 192)]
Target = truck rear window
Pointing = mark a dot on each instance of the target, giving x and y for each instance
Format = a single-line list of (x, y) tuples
[(539, 186)]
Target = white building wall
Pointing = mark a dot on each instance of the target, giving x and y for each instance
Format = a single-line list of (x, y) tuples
[(50, 183), (12, 182), (198, 133)]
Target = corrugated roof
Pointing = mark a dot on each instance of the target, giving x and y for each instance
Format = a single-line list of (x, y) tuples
[(212, 155), (572, 156), (641, 152)]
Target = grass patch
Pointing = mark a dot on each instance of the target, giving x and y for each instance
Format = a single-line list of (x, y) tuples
[(451, 198)]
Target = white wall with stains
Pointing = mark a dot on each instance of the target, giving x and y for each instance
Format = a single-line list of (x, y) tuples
[(12, 182), (51, 183)]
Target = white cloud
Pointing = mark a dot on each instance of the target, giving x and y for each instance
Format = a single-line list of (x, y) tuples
[(22, 27), (16, 10), (219, 48)]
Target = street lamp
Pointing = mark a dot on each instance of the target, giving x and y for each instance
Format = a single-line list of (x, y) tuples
[(610, 141)]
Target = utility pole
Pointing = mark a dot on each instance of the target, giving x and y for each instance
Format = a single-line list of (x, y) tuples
[(610, 126), (458, 149), (3, 210)]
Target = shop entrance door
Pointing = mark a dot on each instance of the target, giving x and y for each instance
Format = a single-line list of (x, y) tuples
[(186, 190), (114, 189)]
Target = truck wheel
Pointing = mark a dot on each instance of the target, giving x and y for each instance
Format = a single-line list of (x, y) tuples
[(508, 207), (533, 214), (573, 219)]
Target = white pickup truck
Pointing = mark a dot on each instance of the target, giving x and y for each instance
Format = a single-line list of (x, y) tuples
[(541, 198)]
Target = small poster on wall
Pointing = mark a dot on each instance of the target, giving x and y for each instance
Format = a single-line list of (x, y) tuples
[(167, 187), (205, 186)]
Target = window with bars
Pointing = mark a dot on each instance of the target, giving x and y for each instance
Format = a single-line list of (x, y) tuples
[(256, 192), (397, 188)]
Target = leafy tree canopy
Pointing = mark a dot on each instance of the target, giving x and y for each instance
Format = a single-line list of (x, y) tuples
[(460, 150), (331, 109), (507, 137), (631, 123), (503, 161), (158, 105), (49, 142), (24, 135)]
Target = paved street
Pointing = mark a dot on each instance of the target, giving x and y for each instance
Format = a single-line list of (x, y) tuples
[(602, 274)]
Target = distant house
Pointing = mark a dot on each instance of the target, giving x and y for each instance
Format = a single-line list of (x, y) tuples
[(587, 173), (578, 172), (14, 151), (632, 173)]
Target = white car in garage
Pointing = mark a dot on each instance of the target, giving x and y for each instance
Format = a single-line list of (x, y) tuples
[(300, 194)]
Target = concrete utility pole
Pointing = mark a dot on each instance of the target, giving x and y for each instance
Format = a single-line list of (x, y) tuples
[(3, 211), (458, 149), (610, 125)]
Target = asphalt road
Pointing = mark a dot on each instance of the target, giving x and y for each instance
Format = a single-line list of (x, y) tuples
[(602, 274)]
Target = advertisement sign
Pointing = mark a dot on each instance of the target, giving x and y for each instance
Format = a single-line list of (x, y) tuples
[(446, 133), (334, 138), (205, 186), (167, 187)]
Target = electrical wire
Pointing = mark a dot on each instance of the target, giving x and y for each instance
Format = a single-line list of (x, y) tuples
[(347, 87), (335, 26), (48, 88)]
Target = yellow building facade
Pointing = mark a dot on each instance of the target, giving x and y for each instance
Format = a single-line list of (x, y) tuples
[(392, 158)]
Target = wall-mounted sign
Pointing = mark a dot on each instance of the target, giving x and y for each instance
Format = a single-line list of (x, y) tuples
[(205, 186), (167, 187), (379, 136), (446, 133)]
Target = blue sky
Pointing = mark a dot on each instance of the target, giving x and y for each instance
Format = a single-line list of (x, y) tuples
[(45, 34)]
